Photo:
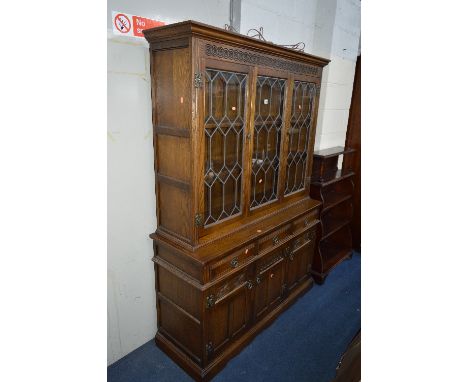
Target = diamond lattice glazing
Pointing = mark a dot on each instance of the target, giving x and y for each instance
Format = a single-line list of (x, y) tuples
[(224, 130), (302, 109), (267, 140)]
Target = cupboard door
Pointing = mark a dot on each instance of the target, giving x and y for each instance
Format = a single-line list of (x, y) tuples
[(268, 123), (302, 111), (228, 312), (224, 124), (299, 259), (270, 284)]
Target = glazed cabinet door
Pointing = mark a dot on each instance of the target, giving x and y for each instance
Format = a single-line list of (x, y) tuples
[(270, 283), (224, 123), (267, 131), (299, 136), (228, 312)]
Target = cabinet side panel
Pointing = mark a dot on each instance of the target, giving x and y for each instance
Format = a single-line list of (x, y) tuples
[(173, 157), (180, 292), (181, 330), (172, 79), (174, 204)]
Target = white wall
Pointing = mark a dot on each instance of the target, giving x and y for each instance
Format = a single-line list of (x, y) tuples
[(325, 26), (283, 22), (337, 36), (131, 207)]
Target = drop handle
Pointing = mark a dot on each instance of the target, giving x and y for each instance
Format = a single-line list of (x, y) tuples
[(249, 284), (297, 243), (258, 280), (234, 262), (276, 240)]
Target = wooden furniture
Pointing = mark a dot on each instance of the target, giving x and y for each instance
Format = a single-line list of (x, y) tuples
[(353, 141), (334, 187), (234, 128), (349, 367)]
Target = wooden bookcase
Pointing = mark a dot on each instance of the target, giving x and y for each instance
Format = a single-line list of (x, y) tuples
[(334, 187), (234, 129)]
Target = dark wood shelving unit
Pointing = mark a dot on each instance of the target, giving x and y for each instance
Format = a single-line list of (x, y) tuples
[(334, 187)]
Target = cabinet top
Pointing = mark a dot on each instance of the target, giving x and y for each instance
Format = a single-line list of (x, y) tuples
[(195, 28), (333, 152)]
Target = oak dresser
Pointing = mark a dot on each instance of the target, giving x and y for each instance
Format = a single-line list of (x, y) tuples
[(234, 128)]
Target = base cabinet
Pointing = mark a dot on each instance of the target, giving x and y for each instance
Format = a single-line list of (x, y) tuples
[(202, 325)]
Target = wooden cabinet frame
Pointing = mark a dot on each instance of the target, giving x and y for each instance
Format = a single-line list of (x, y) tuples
[(209, 278)]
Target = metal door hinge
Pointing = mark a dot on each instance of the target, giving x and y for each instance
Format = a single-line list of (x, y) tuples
[(210, 300), (198, 220), (209, 349), (284, 289), (197, 80)]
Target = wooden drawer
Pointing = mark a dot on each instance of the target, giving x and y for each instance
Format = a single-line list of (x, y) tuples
[(303, 238), (274, 239), (225, 289), (232, 261), (307, 220), (269, 261)]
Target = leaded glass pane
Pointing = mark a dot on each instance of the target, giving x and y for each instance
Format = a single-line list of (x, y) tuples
[(224, 131), (267, 140), (301, 115)]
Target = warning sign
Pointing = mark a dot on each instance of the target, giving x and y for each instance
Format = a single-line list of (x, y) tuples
[(131, 25), (122, 23)]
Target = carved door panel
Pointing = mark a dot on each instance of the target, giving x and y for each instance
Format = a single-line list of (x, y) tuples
[(228, 311), (299, 259), (270, 283)]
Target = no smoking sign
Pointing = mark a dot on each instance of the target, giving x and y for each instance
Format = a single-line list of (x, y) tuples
[(131, 25), (122, 23)]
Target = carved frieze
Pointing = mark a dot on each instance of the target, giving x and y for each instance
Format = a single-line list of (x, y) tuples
[(245, 56)]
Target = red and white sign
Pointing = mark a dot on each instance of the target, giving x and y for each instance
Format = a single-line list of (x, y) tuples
[(131, 25)]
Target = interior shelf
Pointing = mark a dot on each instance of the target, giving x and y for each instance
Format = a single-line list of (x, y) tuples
[(212, 125), (335, 198), (333, 225), (336, 218), (335, 253), (334, 177), (333, 152), (336, 193)]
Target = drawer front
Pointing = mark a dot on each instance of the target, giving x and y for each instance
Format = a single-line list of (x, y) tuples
[(306, 237), (223, 290), (305, 221), (232, 261), (274, 239)]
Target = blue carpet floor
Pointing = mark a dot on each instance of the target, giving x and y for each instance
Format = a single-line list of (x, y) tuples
[(305, 343)]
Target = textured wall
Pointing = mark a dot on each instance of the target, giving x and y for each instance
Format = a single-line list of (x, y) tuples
[(326, 26)]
